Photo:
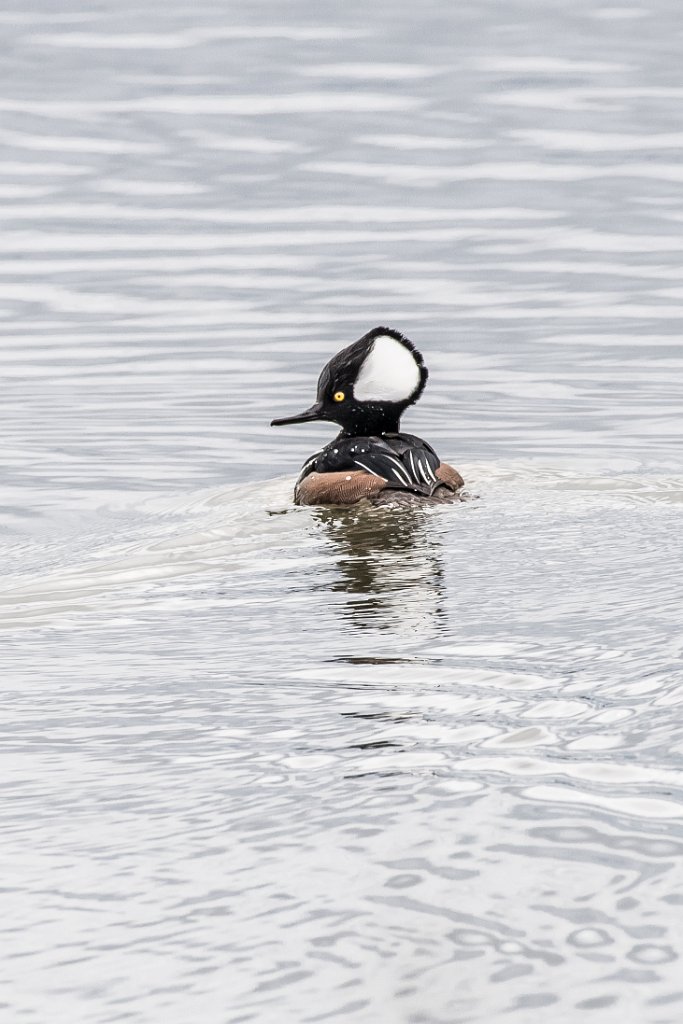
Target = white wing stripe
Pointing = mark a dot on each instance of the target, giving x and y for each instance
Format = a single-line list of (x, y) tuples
[(367, 469), (400, 470), (426, 467)]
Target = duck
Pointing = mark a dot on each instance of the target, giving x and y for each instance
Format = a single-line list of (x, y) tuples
[(365, 389)]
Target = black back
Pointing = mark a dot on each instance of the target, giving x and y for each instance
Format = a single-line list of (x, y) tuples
[(407, 462)]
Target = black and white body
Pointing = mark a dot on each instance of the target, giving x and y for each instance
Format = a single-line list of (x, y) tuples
[(366, 388)]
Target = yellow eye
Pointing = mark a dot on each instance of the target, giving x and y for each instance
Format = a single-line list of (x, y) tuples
[(339, 396)]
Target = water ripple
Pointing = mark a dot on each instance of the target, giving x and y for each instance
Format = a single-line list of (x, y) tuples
[(276, 764)]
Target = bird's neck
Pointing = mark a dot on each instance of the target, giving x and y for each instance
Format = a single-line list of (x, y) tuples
[(373, 423)]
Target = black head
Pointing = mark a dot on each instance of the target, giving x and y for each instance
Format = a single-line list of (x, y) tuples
[(366, 387)]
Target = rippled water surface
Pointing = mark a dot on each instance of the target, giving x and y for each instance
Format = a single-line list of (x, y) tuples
[(276, 765)]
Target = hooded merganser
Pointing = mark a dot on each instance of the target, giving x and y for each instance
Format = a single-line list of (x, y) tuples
[(366, 388)]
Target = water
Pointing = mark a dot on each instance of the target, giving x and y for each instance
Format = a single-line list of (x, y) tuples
[(273, 765)]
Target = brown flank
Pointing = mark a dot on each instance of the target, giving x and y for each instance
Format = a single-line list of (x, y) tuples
[(338, 488), (348, 488)]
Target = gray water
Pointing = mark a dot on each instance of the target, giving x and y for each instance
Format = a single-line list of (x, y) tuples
[(276, 765)]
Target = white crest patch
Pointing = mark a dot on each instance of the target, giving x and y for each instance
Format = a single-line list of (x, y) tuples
[(389, 372)]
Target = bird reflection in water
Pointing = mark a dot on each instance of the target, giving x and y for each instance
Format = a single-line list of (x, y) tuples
[(389, 564)]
